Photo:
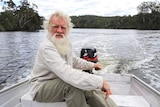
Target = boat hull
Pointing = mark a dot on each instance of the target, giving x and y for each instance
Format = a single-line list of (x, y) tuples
[(120, 85)]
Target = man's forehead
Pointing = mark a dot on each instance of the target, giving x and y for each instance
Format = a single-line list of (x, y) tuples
[(58, 19)]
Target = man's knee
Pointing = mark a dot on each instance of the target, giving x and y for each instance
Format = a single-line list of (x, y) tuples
[(72, 91)]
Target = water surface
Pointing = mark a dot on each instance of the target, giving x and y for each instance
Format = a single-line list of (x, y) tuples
[(120, 51)]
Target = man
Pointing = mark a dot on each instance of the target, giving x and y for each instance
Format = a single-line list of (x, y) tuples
[(57, 74)]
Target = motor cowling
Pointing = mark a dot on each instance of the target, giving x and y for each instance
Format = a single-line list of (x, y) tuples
[(89, 54)]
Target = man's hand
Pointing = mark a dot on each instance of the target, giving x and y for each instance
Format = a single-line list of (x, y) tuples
[(106, 88), (97, 66)]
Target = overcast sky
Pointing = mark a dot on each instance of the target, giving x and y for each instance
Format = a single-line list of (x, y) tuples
[(88, 7)]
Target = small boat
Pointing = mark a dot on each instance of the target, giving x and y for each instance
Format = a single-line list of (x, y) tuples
[(128, 91)]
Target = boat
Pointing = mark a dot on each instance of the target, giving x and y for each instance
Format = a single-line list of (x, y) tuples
[(126, 89)]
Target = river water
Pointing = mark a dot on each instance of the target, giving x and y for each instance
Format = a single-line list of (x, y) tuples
[(119, 51)]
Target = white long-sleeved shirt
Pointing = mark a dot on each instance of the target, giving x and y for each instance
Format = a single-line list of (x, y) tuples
[(49, 64)]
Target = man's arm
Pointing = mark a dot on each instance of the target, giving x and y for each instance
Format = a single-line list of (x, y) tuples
[(79, 63)]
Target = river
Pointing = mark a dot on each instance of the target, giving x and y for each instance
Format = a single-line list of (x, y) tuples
[(119, 51)]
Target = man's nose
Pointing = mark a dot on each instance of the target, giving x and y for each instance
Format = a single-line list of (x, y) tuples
[(59, 29)]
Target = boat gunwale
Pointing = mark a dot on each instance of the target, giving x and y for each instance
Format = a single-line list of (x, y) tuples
[(3, 91), (149, 87)]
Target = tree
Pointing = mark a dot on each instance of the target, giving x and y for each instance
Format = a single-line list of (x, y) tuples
[(8, 5), (149, 15), (149, 7), (23, 15), (8, 21)]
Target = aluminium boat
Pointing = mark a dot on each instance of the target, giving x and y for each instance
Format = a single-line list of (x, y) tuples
[(127, 91)]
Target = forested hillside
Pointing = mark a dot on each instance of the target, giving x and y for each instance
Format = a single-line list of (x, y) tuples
[(24, 17), (148, 17)]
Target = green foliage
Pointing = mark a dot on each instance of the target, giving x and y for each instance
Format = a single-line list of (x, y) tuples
[(148, 18), (20, 18), (7, 21), (149, 7), (117, 22), (148, 21), (143, 21), (24, 17), (88, 21)]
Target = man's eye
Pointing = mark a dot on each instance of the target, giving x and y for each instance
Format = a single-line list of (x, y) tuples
[(55, 27), (63, 27)]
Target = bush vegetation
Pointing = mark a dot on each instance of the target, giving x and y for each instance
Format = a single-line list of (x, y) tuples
[(24, 17)]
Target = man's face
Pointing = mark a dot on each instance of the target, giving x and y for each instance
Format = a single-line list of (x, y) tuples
[(58, 27), (58, 35)]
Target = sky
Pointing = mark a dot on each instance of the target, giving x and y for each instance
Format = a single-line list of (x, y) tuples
[(87, 7)]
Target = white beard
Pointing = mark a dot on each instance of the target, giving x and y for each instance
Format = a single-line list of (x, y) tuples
[(62, 44)]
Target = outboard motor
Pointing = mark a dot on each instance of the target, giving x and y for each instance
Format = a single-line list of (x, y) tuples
[(89, 54)]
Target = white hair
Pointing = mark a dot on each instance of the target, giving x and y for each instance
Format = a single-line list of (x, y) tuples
[(47, 23)]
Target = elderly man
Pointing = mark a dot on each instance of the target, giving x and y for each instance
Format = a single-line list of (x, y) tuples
[(57, 74)]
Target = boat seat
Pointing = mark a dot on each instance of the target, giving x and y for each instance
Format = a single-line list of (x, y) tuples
[(127, 101), (27, 101)]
